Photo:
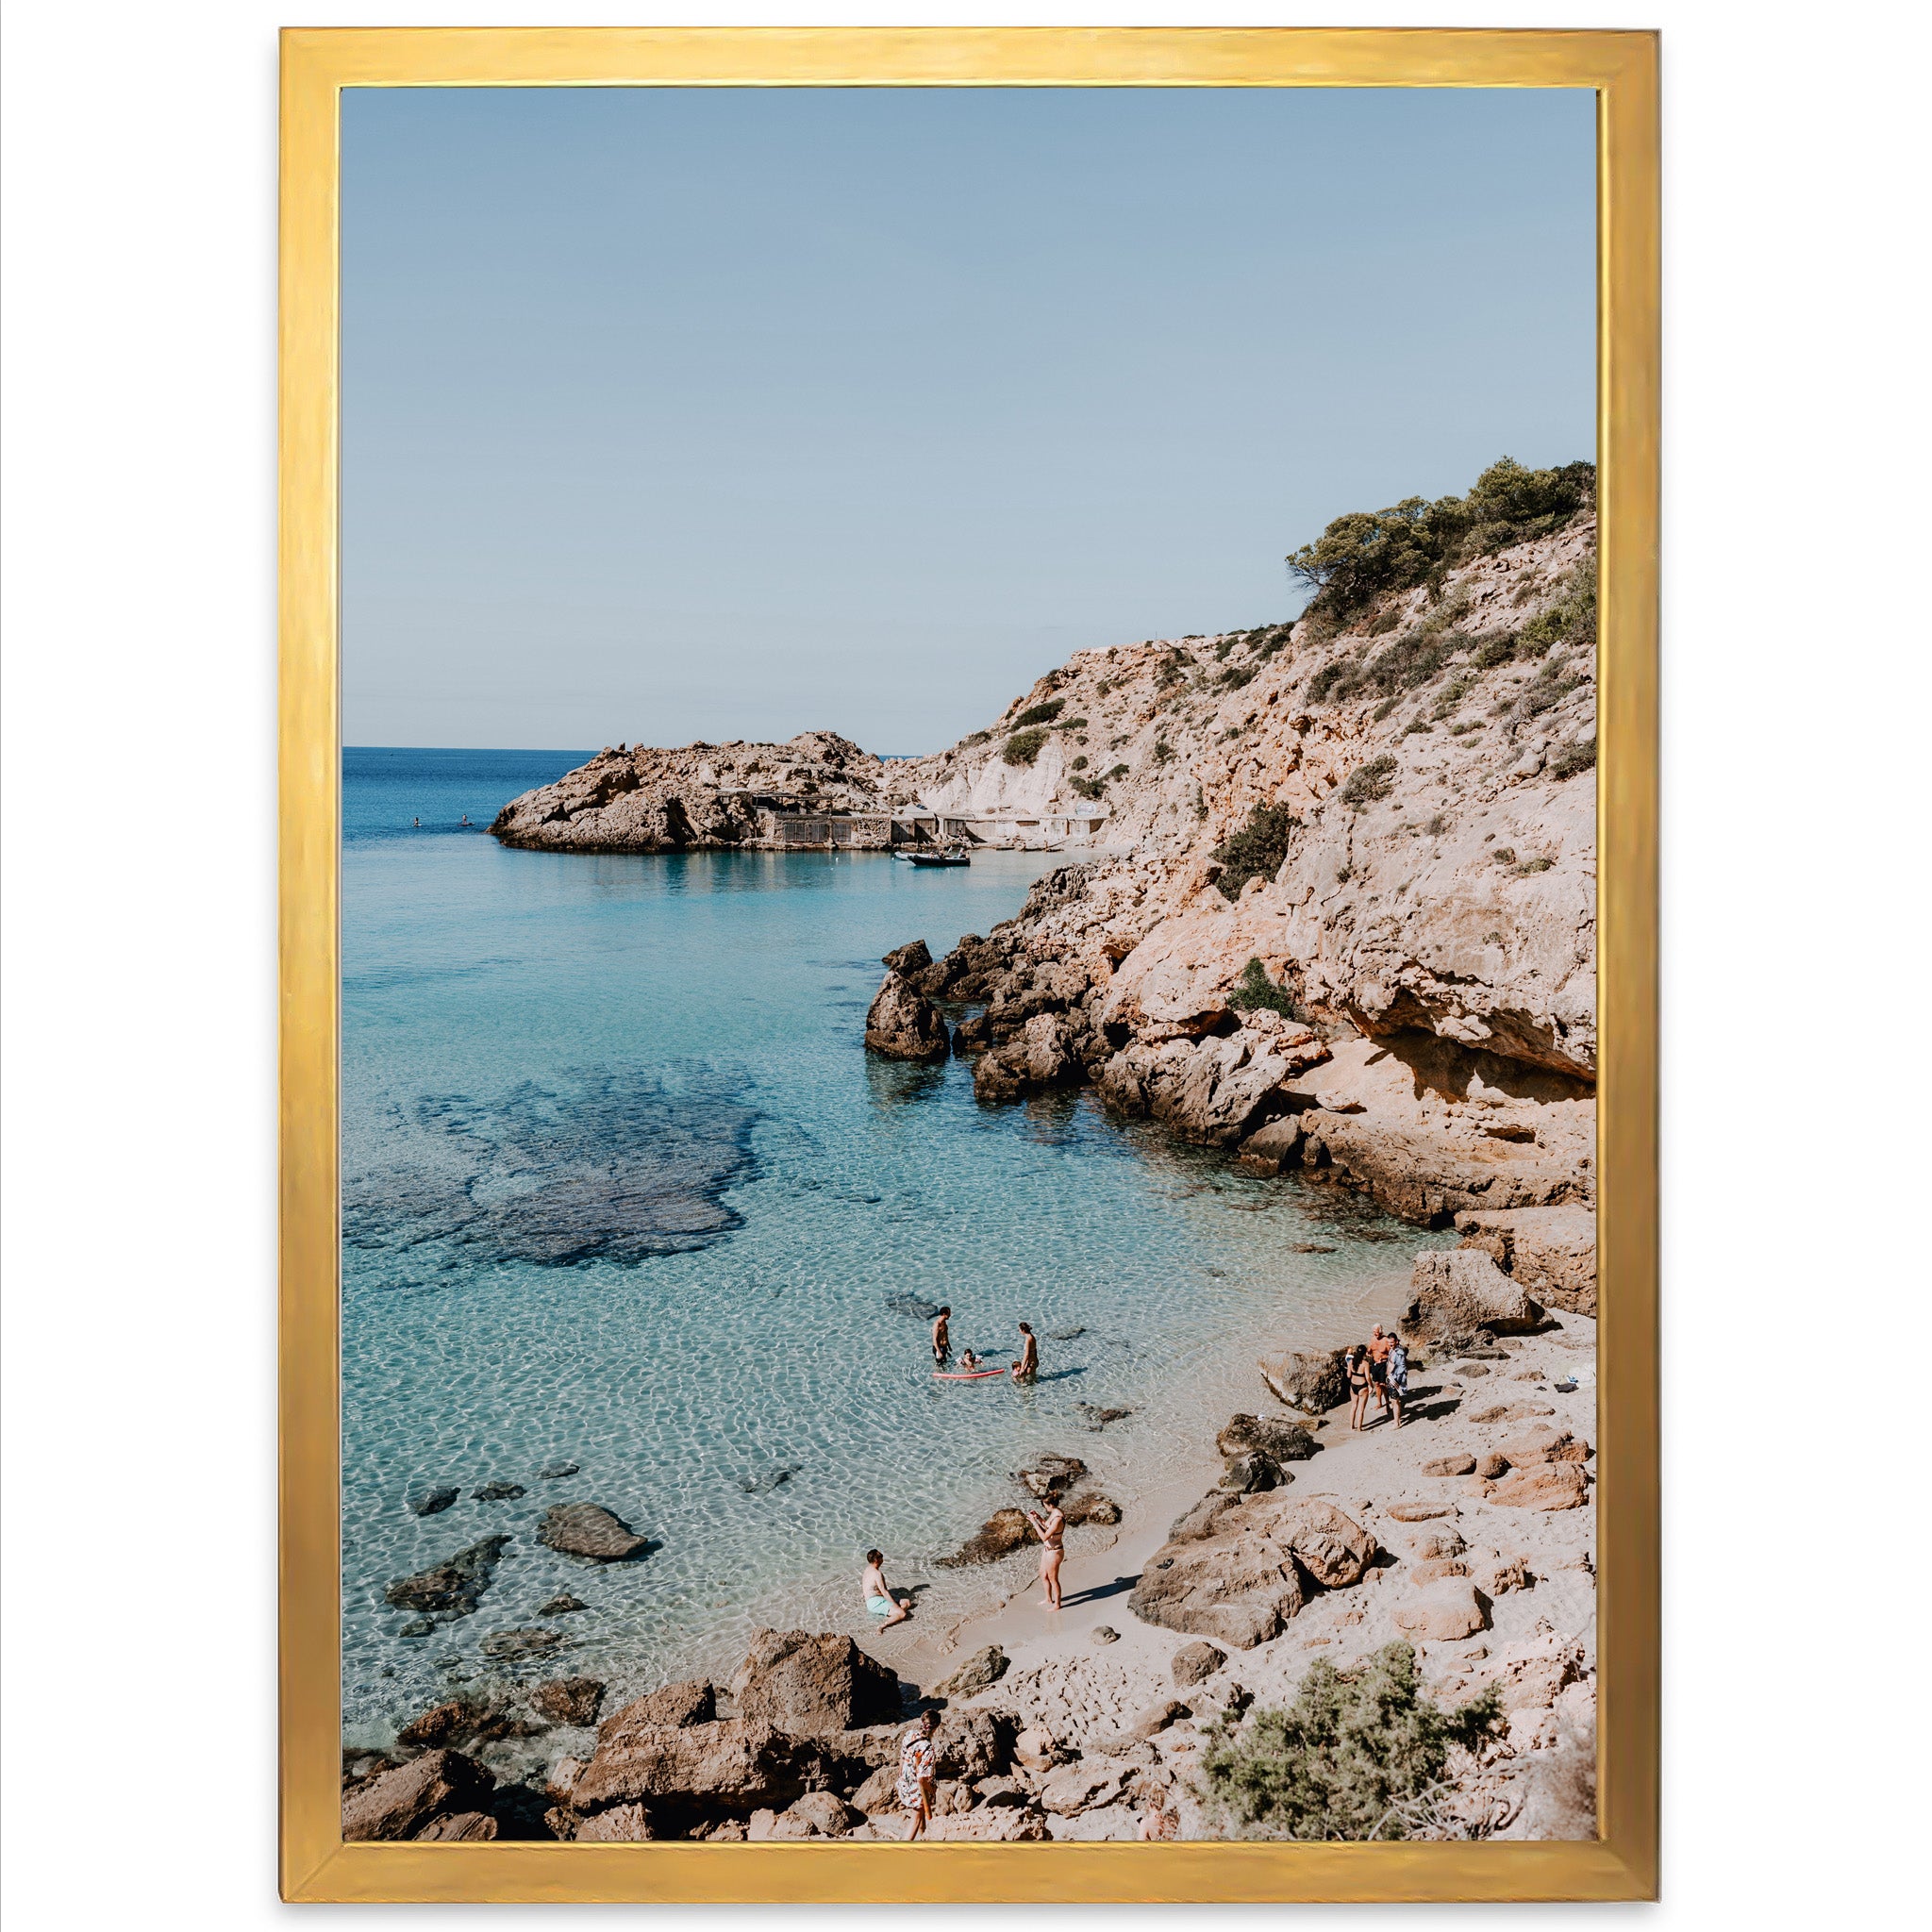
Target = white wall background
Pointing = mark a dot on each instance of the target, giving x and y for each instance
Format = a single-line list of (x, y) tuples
[(139, 796)]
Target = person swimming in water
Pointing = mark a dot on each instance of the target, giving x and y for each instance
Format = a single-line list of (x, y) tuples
[(942, 1337), (969, 1363)]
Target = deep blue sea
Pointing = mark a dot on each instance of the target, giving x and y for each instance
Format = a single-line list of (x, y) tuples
[(622, 1188)]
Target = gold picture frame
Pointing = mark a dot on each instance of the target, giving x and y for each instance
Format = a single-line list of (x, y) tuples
[(1621, 69)]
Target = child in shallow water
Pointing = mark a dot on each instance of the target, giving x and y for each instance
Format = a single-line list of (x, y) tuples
[(880, 1603)]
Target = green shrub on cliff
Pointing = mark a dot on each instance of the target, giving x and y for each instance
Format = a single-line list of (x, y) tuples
[(1024, 746), (1578, 755), (1370, 554), (1371, 781), (1254, 988), (1257, 850), (1351, 1750), (1040, 714)]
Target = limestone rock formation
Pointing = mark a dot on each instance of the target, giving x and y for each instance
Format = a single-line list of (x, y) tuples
[(1551, 1251), (980, 1672), (641, 800), (1238, 1570), (400, 1803), (812, 1684), (1458, 1292), (1313, 1382), (904, 1024)]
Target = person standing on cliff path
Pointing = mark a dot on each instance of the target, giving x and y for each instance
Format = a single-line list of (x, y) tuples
[(1027, 1370), (942, 1337), (919, 1772)]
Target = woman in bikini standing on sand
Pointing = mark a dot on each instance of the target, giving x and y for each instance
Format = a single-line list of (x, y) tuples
[(1357, 1364), (1052, 1532)]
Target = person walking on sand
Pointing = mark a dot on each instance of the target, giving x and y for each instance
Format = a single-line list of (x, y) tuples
[(941, 1337), (1027, 1370), (919, 1772), (1356, 1365), (1052, 1531), (880, 1600)]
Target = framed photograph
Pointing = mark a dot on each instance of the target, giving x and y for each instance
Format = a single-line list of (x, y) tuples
[(969, 1058)]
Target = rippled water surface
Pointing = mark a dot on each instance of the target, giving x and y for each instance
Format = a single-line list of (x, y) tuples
[(622, 1188)]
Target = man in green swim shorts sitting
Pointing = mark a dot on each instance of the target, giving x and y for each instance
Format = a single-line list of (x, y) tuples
[(880, 1600)]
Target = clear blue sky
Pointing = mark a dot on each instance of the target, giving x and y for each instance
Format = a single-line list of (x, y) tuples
[(730, 413)]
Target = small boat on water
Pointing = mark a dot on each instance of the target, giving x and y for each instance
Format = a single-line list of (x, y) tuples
[(953, 855)]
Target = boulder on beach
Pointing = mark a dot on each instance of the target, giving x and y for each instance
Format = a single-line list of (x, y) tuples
[(1253, 1473), (453, 1587), (1542, 1442), (590, 1531), (1442, 1611), (732, 1764), (1312, 1381), (1089, 1505), (1273, 1147), (904, 1024), (1283, 1441), (810, 1684), (1551, 1251), (1547, 1486), (1195, 1662), (399, 1803), (980, 1672), (671, 1706), (970, 1743), (1456, 1293), (1000, 1535), (1234, 1570)]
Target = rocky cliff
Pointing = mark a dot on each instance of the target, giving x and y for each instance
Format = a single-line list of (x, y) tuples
[(1341, 881), (1351, 897), (638, 799)]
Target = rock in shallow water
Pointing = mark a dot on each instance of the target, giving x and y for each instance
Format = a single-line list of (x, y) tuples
[(430, 1502), (453, 1587), (607, 1165), (903, 1024), (590, 1531), (514, 1643)]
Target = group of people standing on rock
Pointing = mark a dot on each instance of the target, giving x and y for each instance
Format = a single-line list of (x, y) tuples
[(1026, 1368), (1378, 1368)]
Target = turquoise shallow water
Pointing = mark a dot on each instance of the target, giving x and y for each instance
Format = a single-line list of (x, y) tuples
[(622, 1188)]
